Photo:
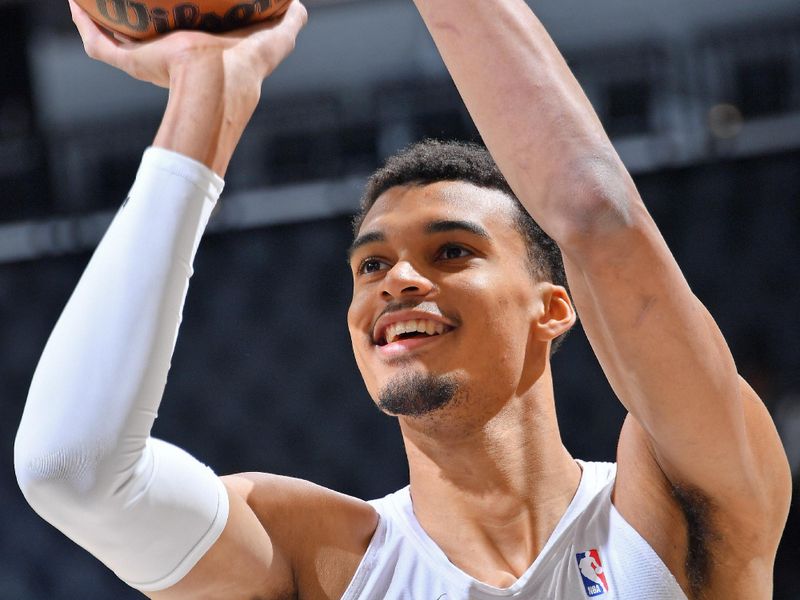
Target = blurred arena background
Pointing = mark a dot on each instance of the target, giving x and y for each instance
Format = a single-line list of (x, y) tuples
[(702, 100)]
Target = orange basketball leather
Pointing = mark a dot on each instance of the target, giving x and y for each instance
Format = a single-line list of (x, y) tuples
[(142, 19)]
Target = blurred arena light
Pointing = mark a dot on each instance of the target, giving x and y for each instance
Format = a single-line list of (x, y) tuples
[(725, 121)]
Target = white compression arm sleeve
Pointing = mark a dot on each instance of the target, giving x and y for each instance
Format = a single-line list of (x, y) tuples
[(84, 457)]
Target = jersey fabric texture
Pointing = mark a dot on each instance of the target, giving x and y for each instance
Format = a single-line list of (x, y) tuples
[(592, 553)]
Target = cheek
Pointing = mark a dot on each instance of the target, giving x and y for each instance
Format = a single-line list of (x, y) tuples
[(496, 298), (356, 314), (351, 317), (355, 326), (358, 323), (504, 320)]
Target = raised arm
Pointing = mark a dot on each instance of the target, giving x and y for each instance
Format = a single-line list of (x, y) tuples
[(693, 420), (84, 456)]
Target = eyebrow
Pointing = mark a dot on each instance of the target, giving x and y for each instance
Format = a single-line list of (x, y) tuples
[(362, 240), (441, 226), (455, 225)]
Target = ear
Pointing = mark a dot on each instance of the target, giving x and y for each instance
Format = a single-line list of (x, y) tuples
[(556, 316)]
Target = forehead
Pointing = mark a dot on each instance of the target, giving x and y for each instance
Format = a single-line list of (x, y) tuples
[(417, 205)]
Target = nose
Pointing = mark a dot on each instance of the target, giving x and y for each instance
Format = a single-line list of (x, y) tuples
[(404, 280)]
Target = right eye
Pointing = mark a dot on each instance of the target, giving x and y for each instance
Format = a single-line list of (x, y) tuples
[(371, 265)]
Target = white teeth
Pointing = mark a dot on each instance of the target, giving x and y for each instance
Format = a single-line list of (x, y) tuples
[(426, 326)]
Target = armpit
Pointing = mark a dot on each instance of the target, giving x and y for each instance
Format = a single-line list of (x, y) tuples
[(698, 510)]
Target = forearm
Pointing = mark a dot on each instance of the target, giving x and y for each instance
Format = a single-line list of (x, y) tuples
[(83, 455), (529, 109)]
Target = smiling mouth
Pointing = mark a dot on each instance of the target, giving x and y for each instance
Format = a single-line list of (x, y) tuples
[(411, 329)]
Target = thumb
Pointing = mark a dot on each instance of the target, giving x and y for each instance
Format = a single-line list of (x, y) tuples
[(275, 39)]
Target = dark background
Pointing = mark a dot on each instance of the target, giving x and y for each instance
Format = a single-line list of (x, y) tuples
[(706, 114)]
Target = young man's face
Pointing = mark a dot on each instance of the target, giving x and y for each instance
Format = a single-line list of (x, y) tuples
[(443, 299)]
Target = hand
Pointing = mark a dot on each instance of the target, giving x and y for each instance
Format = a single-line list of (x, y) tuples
[(214, 79), (261, 47)]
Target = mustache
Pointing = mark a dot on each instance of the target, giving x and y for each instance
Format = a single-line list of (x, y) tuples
[(428, 307)]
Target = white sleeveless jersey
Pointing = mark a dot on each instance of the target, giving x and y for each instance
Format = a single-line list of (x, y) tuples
[(592, 553)]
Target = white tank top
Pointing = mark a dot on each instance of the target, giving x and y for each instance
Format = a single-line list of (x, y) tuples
[(592, 553)]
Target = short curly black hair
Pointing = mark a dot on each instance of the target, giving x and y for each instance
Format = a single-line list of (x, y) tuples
[(431, 161)]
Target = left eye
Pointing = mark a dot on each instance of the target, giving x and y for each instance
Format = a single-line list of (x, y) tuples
[(453, 252)]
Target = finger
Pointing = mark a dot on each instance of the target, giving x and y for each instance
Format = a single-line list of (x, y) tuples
[(274, 40), (295, 18), (96, 42), (291, 20), (79, 16), (74, 8), (122, 38)]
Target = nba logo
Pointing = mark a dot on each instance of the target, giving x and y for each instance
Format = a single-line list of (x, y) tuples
[(591, 569)]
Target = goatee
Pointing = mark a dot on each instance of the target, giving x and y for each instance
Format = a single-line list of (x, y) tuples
[(416, 394)]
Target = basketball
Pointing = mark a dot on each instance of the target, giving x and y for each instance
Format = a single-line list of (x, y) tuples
[(142, 19)]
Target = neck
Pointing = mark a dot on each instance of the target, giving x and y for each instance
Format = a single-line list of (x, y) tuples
[(491, 494)]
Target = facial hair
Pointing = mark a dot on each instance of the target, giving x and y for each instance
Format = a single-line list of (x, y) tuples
[(417, 394)]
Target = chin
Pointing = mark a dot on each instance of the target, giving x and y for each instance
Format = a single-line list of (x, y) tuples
[(417, 393)]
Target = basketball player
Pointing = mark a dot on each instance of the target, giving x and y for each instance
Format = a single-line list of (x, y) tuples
[(458, 299)]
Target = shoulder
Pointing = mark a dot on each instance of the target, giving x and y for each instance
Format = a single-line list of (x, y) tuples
[(273, 496), (324, 533)]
